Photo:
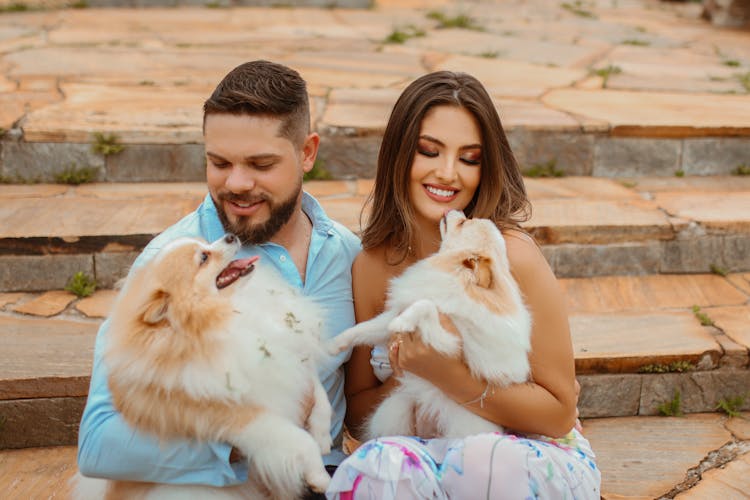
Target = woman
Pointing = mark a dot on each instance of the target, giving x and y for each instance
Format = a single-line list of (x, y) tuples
[(444, 148)]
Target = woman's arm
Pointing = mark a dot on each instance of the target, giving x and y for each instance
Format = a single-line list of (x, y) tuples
[(548, 404), (362, 388)]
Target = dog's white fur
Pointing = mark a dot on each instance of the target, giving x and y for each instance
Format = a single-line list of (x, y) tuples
[(236, 364), (469, 280)]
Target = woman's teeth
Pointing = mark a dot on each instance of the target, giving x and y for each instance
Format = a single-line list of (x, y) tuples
[(440, 192)]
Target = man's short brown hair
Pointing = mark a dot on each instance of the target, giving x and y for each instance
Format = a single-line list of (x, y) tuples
[(267, 89)]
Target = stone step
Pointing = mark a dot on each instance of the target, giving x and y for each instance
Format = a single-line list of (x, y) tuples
[(625, 91), (636, 342), (700, 456), (587, 226)]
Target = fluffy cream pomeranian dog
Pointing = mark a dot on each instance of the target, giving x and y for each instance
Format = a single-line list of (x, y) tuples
[(469, 280), (206, 347)]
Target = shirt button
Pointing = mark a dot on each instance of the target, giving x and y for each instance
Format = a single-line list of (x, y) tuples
[(282, 258)]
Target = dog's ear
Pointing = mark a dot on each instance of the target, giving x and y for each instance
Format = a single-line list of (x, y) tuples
[(155, 310), (481, 267)]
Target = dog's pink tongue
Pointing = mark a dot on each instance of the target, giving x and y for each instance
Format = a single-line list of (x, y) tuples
[(234, 270)]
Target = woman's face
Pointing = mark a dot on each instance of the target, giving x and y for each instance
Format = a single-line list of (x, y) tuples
[(446, 168)]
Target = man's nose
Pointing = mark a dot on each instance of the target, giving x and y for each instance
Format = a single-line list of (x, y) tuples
[(240, 180)]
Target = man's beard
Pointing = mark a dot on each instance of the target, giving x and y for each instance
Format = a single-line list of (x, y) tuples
[(279, 214)]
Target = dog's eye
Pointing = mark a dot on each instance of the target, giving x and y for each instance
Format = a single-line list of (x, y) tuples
[(204, 257)]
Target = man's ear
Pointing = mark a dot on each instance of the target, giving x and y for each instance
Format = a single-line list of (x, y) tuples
[(310, 151), (155, 310), (481, 268)]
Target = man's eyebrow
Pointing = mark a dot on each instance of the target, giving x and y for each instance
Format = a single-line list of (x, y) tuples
[(248, 159), (440, 143)]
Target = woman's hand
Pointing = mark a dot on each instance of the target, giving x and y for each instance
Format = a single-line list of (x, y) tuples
[(407, 352)]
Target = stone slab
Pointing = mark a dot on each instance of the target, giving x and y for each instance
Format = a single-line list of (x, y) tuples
[(701, 254), (727, 212), (626, 342), (714, 156), (40, 422), (740, 427), (10, 298), (645, 457), (649, 293), (157, 163), (700, 391), (568, 150), (507, 78), (43, 162), (45, 357), (729, 482), (113, 266), (38, 472), (143, 114), (46, 304), (587, 260), (97, 305), (634, 157), (652, 114), (741, 281), (30, 273), (559, 221), (609, 395), (734, 322)]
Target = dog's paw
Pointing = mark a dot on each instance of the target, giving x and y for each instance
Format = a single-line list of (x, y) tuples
[(318, 480), (335, 346), (324, 441)]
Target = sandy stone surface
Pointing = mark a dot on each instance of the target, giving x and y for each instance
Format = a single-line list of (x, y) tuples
[(47, 304), (734, 321), (98, 305), (644, 457), (626, 342)]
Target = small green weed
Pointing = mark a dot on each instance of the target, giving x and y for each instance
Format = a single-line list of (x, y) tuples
[(636, 42), (15, 7), (147, 83), (732, 63), (672, 408), (745, 81), (106, 144), (731, 406), (679, 173), (673, 367), (74, 176), (702, 317), (741, 170), (460, 21), (81, 285), (718, 270), (400, 35), (629, 184), (606, 73), (79, 4), (547, 169), (318, 172), (490, 54), (578, 8)]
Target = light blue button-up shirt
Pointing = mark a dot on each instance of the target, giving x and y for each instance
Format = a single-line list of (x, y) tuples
[(109, 447)]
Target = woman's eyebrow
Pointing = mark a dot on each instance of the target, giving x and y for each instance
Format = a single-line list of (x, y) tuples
[(440, 143)]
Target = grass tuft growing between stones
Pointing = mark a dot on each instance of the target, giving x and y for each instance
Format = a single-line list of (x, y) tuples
[(741, 170), (636, 42), (673, 367), (81, 285), (679, 173), (606, 72), (106, 144), (745, 81), (459, 21), (731, 406), (79, 4), (702, 317), (673, 407), (579, 9), (718, 270), (15, 7), (404, 33), (318, 172), (75, 176), (547, 169)]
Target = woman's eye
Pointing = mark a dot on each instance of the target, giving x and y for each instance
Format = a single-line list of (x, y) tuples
[(204, 257), (428, 153), (470, 160)]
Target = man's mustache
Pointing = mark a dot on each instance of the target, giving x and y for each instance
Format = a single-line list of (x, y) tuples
[(242, 198)]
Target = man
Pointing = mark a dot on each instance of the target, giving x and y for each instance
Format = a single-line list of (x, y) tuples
[(258, 145)]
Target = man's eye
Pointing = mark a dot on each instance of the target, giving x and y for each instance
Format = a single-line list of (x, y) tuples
[(204, 257), (219, 164)]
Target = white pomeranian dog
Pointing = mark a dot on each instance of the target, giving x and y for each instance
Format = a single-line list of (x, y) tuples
[(469, 280), (206, 347)]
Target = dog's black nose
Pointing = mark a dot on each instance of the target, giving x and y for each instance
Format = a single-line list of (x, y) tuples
[(229, 238)]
